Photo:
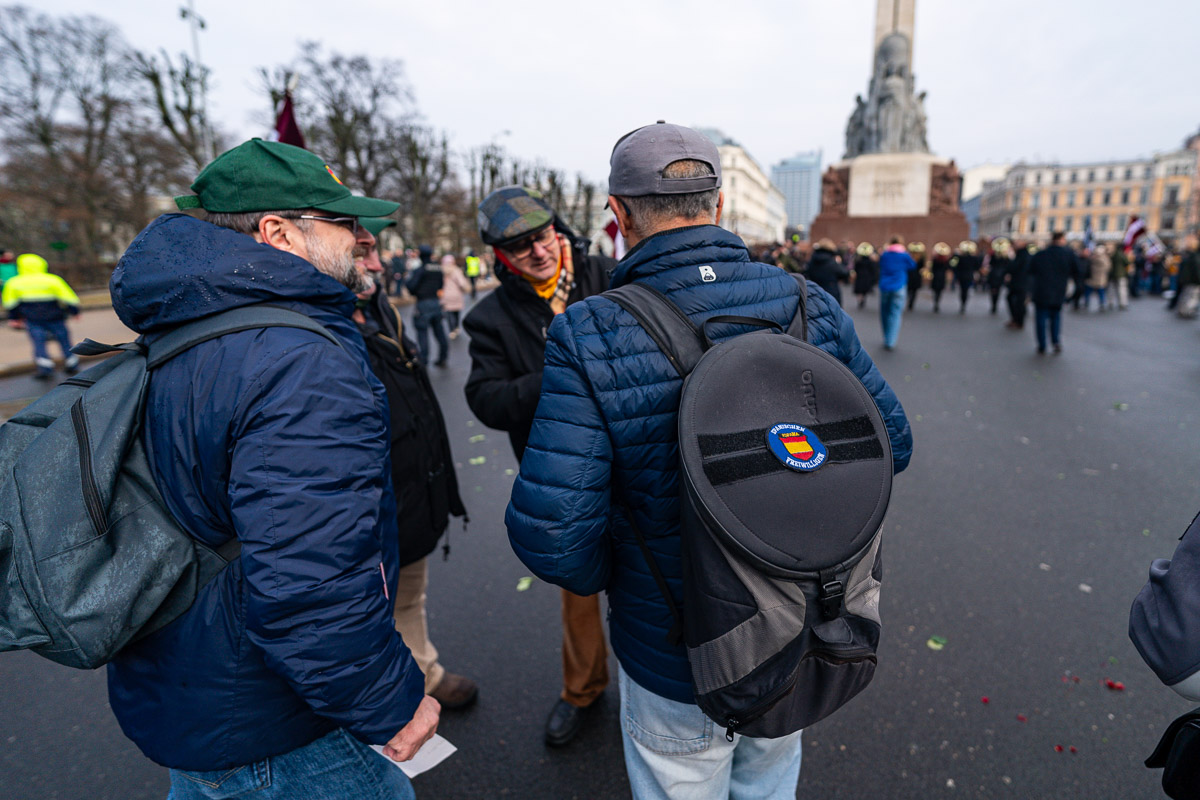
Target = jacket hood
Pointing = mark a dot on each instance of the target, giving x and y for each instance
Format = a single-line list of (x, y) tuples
[(179, 269), (30, 264), (680, 247)]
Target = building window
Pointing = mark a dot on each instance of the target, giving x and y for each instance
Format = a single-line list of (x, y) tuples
[(1057, 177), (1054, 199), (1129, 173), (1087, 197), (1035, 200), (1107, 197), (1067, 223), (1145, 195), (1038, 179), (1091, 175), (1087, 221), (1110, 175), (1172, 197), (1033, 224), (1124, 197), (1168, 221), (1122, 222), (1104, 223), (1149, 173), (1050, 224), (1070, 199), (1074, 177)]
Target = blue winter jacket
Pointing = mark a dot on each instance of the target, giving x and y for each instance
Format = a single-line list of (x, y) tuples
[(894, 266), (279, 437), (606, 429)]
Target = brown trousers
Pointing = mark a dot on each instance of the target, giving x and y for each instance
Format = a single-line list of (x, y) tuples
[(585, 657), (409, 615)]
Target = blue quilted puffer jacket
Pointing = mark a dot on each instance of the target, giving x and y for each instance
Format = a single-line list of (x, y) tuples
[(605, 433), (280, 438)]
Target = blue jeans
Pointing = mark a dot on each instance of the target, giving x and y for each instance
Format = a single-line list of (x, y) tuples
[(891, 308), (1051, 315), (1088, 291), (674, 752), (333, 767), (41, 333), (429, 315)]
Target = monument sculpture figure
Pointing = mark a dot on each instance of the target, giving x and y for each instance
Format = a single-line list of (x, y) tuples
[(892, 119)]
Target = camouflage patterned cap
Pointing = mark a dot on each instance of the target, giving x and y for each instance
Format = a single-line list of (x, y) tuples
[(511, 213)]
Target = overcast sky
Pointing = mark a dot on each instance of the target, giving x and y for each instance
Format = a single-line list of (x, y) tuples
[(1071, 80)]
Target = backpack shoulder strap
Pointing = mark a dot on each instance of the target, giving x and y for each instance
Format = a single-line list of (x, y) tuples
[(171, 344), (799, 326), (675, 334)]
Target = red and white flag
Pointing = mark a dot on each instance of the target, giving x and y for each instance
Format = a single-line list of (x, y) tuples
[(1136, 230), (286, 129), (618, 240)]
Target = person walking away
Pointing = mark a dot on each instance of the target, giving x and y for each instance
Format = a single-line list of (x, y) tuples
[(866, 272), (939, 267), (1100, 264), (8, 266), (423, 474), (273, 683), (603, 448), (40, 303), (826, 270), (474, 271), (1049, 272), (894, 267), (398, 267), (1120, 276), (1079, 276), (999, 264), (425, 285), (1189, 278), (454, 288), (917, 277), (966, 264), (1018, 285), (543, 268)]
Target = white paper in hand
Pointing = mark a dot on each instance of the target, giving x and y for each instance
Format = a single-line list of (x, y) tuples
[(432, 753)]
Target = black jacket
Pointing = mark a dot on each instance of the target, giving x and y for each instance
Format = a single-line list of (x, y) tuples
[(422, 464), (825, 270), (508, 345), (425, 283), (999, 268), (1049, 271), (866, 274), (1018, 272)]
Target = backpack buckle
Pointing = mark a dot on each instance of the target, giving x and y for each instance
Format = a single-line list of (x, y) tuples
[(831, 596)]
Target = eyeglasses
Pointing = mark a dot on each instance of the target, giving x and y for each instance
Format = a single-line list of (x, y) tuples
[(351, 223), (524, 247)]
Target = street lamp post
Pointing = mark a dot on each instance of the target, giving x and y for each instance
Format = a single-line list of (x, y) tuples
[(196, 22)]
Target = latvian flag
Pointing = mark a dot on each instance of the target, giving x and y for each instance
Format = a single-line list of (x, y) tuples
[(1135, 231)]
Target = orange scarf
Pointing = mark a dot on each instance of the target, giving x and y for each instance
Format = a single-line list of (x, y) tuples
[(556, 289)]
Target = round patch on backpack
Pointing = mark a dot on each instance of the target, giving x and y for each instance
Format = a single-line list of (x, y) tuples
[(797, 447)]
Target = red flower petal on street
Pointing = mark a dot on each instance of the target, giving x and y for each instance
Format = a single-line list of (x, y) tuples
[(1058, 748), (1020, 718), (1073, 750), (984, 700), (1116, 686)]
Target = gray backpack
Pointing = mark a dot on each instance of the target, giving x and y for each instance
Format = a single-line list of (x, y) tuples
[(90, 557)]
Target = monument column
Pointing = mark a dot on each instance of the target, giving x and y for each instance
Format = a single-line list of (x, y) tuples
[(896, 15)]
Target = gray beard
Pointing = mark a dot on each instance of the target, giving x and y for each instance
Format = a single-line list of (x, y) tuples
[(337, 265)]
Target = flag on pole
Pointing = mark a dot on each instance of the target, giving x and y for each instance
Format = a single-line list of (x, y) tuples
[(1136, 230), (286, 129), (618, 240)]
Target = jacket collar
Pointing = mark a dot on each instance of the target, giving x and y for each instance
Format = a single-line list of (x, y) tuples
[(679, 247)]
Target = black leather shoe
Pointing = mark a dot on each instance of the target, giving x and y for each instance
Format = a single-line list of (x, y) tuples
[(564, 723)]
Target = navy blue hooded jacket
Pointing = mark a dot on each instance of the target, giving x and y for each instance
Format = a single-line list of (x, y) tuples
[(607, 423), (279, 437)]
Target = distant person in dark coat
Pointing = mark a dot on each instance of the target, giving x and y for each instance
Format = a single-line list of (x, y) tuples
[(965, 264), (1049, 272), (939, 266), (917, 276), (1018, 284), (425, 285), (826, 269), (998, 266), (866, 272)]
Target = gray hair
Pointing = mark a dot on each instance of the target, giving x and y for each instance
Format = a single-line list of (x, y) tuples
[(247, 221), (650, 212)]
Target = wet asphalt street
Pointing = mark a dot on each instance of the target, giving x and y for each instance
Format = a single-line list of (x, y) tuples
[(1039, 492)]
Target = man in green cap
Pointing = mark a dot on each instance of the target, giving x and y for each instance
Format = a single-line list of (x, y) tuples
[(423, 474), (287, 666), (542, 268)]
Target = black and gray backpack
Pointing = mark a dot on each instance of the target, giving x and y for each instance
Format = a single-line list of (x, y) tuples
[(785, 472), (90, 557)]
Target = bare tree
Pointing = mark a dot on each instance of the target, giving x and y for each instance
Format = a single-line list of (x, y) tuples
[(175, 95)]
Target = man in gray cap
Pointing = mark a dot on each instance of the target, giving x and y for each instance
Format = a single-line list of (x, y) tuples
[(603, 446)]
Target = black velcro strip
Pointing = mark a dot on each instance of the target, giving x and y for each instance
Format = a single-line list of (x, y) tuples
[(862, 450), (728, 470), (853, 428), (715, 444)]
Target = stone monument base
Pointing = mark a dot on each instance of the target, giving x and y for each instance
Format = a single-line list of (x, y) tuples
[(874, 197)]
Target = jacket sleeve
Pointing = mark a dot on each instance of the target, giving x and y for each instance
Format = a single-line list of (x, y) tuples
[(305, 489), (66, 295), (499, 397), (1164, 622), (852, 354), (559, 513)]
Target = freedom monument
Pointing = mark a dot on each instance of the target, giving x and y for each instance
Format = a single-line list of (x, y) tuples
[(888, 182)]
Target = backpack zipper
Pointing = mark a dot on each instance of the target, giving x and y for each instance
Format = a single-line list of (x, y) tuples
[(91, 494)]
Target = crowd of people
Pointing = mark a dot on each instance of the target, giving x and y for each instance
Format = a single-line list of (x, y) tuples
[(1050, 278)]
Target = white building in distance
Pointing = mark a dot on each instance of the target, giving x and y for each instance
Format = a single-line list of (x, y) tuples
[(755, 209)]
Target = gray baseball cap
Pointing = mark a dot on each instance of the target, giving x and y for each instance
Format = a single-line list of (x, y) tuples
[(639, 158)]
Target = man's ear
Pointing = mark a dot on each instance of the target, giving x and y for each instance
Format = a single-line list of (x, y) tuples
[(623, 220), (281, 234), (720, 207)]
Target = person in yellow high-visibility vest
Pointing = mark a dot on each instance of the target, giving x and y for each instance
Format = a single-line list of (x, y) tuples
[(474, 270), (40, 303)]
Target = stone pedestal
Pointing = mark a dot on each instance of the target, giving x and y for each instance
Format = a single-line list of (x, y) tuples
[(874, 197)]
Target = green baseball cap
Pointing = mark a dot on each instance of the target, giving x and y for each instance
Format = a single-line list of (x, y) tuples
[(376, 224), (271, 176)]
